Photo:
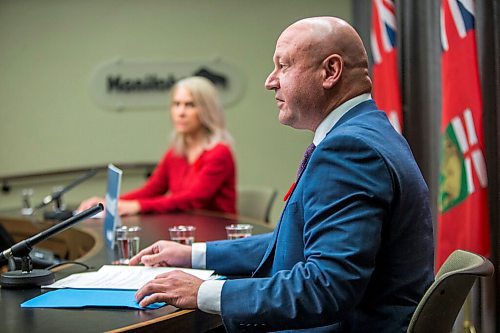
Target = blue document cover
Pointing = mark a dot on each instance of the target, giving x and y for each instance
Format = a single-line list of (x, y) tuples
[(79, 298), (112, 218)]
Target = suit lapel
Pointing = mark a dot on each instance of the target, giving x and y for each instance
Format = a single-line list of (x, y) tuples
[(272, 244)]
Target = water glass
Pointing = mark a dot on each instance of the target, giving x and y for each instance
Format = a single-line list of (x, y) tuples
[(236, 231), (127, 243), (183, 234)]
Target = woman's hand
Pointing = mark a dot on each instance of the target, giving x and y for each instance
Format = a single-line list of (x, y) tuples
[(125, 207), (86, 204), (128, 207)]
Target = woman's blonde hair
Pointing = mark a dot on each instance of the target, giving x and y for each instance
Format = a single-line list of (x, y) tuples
[(211, 115)]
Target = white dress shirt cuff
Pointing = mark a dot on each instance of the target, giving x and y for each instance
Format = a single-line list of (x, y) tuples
[(209, 296), (199, 255)]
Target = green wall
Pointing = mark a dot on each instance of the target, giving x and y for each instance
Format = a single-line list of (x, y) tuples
[(49, 49)]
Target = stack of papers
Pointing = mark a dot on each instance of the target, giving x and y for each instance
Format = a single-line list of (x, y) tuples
[(121, 277), (110, 286)]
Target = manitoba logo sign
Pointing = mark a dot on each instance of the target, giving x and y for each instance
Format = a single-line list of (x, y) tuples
[(133, 84)]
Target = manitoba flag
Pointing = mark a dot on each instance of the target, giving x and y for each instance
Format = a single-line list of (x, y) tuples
[(463, 182), (386, 91)]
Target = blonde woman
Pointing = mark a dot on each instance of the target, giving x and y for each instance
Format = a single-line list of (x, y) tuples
[(198, 170)]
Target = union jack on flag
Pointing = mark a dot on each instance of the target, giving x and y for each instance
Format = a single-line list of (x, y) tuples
[(386, 91), (384, 28), (462, 17), (463, 180)]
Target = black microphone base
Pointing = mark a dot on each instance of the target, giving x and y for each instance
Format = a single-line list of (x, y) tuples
[(34, 279), (60, 215)]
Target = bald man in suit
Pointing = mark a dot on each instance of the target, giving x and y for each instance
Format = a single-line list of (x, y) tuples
[(353, 249)]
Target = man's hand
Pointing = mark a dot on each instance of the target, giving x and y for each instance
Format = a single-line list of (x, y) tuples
[(164, 253), (174, 288)]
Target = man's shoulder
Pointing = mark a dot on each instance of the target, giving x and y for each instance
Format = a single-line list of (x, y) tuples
[(366, 123)]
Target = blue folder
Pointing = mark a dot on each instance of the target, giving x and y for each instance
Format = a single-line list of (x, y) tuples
[(79, 298)]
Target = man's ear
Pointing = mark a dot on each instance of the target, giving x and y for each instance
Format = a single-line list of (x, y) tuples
[(333, 66)]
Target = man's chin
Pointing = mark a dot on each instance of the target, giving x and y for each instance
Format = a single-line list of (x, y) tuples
[(287, 120)]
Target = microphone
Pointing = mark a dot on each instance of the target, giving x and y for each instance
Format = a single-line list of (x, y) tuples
[(28, 277), (60, 214)]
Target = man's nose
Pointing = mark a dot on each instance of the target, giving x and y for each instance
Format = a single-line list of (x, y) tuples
[(272, 81)]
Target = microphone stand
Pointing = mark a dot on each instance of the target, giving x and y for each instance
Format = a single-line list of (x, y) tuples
[(27, 277), (59, 213)]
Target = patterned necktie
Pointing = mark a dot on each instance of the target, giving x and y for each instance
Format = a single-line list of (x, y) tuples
[(307, 154)]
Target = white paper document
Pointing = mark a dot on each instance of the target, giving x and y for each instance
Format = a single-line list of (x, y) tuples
[(121, 277)]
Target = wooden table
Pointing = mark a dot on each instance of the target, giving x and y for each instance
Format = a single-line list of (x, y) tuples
[(85, 243)]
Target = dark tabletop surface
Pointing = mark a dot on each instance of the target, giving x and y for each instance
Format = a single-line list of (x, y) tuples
[(209, 226)]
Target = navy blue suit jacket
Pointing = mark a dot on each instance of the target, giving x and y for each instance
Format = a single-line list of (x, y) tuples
[(353, 250)]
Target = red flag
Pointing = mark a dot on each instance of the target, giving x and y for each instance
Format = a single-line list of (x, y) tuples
[(463, 182), (386, 91)]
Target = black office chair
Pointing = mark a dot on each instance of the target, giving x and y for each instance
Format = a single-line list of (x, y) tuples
[(439, 307)]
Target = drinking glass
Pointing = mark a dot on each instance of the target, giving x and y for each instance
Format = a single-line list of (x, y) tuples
[(127, 242), (236, 231), (183, 234)]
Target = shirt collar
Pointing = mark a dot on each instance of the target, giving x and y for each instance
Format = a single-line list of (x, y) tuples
[(333, 117)]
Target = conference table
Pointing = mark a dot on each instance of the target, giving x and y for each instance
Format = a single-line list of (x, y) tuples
[(85, 243)]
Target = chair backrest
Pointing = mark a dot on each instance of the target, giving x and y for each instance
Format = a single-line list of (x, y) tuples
[(256, 202), (439, 307)]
